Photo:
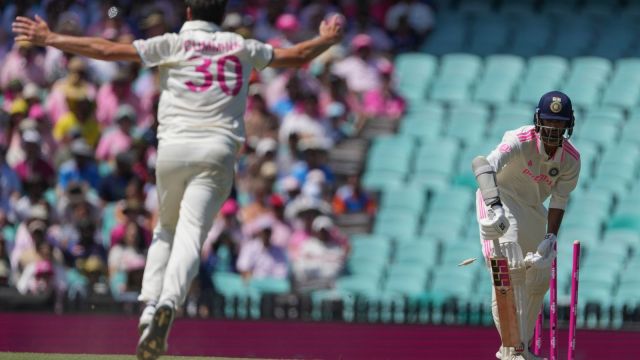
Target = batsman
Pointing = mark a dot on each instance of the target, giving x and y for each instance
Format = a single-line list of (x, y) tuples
[(530, 164)]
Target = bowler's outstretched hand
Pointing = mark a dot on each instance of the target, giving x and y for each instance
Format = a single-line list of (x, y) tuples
[(333, 29), (34, 31)]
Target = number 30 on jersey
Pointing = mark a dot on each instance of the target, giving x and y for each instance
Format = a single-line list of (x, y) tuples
[(205, 68)]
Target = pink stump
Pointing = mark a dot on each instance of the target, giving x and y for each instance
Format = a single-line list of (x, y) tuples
[(553, 315), (537, 335), (574, 299)]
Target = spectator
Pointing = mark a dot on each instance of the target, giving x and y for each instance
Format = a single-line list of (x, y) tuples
[(10, 186), (405, 38), (259, 121), (44, 275), (226, 226), (339, 123), (5, 265), (258, 204), (305, 120), (366, 24), (79, 118), (25, 63), (419, 16), (128, 258), (80, 168), (48, 144), (291, 187), (352, 198), (118, 92), (134, 213), (119, 139), (260, 258), (75, 85), (321, 257), (29, 235), (304, 209), (34, 189), (315, 153), (384, 102), (85, 252), (34, 164), (359, 69), (113, 186)]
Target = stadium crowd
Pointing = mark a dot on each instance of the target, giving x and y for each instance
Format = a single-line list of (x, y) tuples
[(77, 146)]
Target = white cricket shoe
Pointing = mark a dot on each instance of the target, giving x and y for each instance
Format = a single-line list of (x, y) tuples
[(145, 318), (526, 355), (153, 341)]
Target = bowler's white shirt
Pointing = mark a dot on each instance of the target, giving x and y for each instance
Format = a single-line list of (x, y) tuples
[(204, 76), (526, 173)]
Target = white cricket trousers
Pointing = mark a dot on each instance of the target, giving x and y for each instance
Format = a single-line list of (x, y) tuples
[(527, 227), (190, 194)]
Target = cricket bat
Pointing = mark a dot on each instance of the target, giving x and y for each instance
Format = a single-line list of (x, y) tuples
[(509, 330)]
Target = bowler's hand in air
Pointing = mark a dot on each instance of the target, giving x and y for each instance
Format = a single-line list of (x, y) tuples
[(333, 28), (34, 31)]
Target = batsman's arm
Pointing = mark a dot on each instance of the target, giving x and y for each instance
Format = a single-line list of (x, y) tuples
[(554, 219), (331, 32), (37, 32)]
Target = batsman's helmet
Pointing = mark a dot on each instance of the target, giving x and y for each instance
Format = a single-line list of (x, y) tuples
[(554, 105)]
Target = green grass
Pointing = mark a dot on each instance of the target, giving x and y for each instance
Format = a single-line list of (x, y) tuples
[(38, 356)]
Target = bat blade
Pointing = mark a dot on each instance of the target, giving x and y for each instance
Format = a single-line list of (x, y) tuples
[(505, 300)]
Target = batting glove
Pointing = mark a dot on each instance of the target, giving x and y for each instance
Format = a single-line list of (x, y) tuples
[(547, 245), (494, 226), (538, 261)]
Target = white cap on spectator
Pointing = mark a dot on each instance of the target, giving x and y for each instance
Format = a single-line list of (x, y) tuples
[(81, 148), (38, 212), (290, 183), (261, 223), (31, 136), (266, 145), (314, 143), (269, 170), (322, 223), (31, 91), (316, 176)]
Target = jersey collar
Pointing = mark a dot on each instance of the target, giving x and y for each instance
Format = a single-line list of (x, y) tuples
[(199, 25), (557, 157)]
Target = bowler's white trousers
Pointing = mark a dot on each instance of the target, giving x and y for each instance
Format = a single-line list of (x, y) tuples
[(193, 180)]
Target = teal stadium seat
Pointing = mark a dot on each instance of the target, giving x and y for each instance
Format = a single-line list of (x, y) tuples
[(467, 123), (531, 35), (456, 74), (543, 73), (574, 39), (422, 253), (499, 78), (489, 34), (617, 28), (448, 37), (414, 72), (405, 198), (623, 89), (435, 160), (509, 116)]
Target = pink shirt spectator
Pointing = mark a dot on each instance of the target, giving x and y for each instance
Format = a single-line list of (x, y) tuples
[(108, 102), (263, 262), (24, 64), (298, 237), (361, 75), (56, 103), (378, 104), (113, 143)]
